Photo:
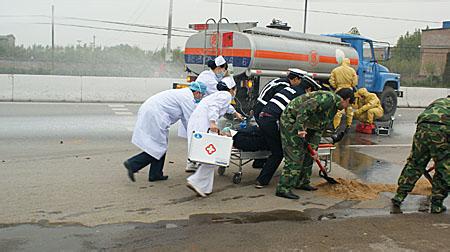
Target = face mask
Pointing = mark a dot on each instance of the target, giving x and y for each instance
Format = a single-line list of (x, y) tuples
[(220, 75), (197, 100)]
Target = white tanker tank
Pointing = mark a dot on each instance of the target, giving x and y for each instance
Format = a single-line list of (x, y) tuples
[(257, 54), (264, 51)]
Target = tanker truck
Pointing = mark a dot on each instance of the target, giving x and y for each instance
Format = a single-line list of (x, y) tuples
[(257, 54)]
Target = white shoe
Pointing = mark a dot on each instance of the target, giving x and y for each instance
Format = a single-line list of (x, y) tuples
[(191, 167), (195, 189)]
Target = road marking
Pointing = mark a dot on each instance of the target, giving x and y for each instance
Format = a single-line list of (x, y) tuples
[(119, 109), (116, 105), (380, 145), (123, 113)]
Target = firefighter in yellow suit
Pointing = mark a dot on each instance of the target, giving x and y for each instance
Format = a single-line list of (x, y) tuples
[(343, 76), (367, 107)]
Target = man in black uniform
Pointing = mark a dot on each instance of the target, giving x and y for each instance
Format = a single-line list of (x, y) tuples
[(271, 103)]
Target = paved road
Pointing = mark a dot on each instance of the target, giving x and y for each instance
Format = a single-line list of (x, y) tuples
[(61, 163)]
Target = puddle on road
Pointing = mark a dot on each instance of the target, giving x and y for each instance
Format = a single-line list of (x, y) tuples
[(367, 168), (249, 217)]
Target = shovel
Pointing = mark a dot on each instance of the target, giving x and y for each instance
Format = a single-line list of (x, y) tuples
[(322, 172)]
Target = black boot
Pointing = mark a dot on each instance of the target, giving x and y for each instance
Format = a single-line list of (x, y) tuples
[(288, 195), (130, 171), (153, 179), (306, 187)]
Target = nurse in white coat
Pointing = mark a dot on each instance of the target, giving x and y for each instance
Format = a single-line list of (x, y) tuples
[(205, 117), (218, 69), (154, 119)]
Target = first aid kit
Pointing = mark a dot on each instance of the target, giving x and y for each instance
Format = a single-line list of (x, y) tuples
[(210, 148)]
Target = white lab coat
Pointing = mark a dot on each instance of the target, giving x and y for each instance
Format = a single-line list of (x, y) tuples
[(210, 108), (156, 116), (209, 78)]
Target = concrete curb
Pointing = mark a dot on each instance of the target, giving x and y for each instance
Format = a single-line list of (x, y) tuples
[(52, 88)]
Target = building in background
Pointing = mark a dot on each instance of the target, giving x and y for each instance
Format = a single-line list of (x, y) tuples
[(435, 51), (7, 41)]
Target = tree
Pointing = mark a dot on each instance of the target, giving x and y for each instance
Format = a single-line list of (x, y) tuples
[(408, 45)]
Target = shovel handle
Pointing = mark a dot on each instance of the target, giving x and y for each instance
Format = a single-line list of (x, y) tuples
[(313, 152)]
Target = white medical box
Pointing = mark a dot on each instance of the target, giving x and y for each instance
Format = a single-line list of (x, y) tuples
[(210, 149)]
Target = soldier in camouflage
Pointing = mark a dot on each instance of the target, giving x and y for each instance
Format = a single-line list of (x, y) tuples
[(302, 123), (431, 141)]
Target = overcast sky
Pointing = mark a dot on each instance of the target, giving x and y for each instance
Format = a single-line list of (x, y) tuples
[(155, 12)]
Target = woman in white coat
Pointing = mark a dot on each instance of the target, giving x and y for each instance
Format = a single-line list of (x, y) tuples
[(218, 69), (154, 119), (205, 117)]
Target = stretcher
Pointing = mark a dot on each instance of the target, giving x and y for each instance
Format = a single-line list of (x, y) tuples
[(240, 158)]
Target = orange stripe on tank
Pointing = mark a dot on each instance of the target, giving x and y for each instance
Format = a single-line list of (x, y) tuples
[(354, 61), (263, 54), (280, 55), (327, 59)]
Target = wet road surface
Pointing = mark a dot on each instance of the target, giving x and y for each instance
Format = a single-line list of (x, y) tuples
[(61, 170)]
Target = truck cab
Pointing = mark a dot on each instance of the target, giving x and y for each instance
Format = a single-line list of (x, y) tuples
[(372, 75)]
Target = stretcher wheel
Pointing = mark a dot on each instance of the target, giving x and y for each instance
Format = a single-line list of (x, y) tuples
[(221, 170), (237, 178)]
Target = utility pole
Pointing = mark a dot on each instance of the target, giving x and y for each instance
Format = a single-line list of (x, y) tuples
[(304, 16), (221, 10), (218, 28), (53, 38), (169, 34)]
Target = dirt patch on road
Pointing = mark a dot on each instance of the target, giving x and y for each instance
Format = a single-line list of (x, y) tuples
[(358, 190)]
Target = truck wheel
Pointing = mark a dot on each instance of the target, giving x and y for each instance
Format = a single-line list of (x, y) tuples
[(389, 103)]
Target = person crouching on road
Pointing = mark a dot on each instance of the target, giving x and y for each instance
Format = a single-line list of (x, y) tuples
[(368, 107), (269, 117), (302, 123), (205, 117), (431, 141), (154, 119)]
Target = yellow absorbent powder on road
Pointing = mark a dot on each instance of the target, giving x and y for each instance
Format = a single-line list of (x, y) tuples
[(358, 190)]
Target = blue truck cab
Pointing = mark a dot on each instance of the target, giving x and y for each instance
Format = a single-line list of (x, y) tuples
[(373, 76)]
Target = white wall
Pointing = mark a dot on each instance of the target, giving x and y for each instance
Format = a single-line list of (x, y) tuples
[(47, 88), (420, 97), (80, 88), (6, 87), (112, 89), (121, 89)]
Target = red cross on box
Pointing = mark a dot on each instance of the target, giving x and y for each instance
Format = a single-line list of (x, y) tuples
[(210, 149)]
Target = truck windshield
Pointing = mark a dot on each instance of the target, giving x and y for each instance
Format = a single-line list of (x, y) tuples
[(367, 52)]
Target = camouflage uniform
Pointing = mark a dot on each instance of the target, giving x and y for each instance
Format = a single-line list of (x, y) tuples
[(430, 142), (312, 112)]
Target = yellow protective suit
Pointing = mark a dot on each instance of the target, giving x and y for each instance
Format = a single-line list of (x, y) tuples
[(343, 76), (367, 106)]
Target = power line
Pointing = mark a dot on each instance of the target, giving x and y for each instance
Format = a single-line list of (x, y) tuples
[(334, 13), (185, 30), (179, 29), (143, 10), (113, 29), (25, 16)]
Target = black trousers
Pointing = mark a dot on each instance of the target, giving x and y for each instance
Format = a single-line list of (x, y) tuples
[(143, 159), (271, 131)]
